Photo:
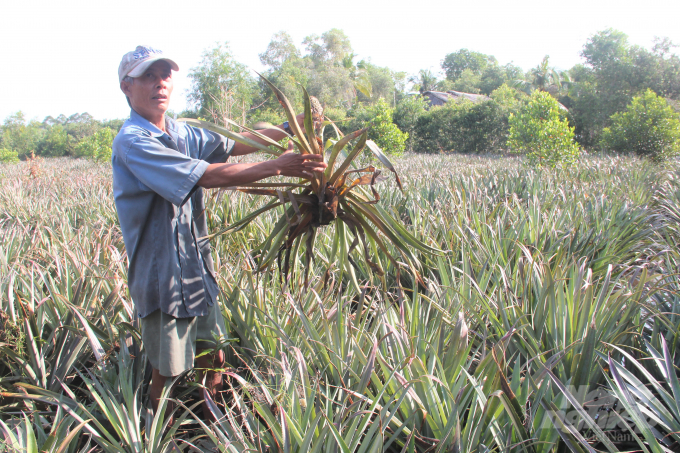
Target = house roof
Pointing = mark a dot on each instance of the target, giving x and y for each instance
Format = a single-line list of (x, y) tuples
[(437, 95), (470, 96), (441, 97)]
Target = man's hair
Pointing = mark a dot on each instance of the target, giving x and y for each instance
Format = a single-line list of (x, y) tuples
[(130, 80)]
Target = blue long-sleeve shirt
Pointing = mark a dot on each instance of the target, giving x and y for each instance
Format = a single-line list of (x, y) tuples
[(161, 213)]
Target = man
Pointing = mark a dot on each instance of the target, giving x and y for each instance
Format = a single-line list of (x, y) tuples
[(159, 170)]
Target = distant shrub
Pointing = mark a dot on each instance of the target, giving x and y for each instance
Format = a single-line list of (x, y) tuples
[(406, 116), (96, 147), (462, 126), (266, 116), (541, 132), (338, 115), (55, 142), (466, 127), (649, 127), (509, 98), (383, 131), (8, 156), (19, 135), (357, 117), (468, 82)]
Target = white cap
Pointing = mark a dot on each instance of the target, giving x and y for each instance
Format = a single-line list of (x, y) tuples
[(136, 62)]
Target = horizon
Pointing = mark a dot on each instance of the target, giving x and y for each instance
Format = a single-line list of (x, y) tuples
[(521, 34)]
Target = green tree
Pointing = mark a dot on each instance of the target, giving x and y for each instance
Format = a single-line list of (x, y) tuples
[(538, 131), (19, 136), (383, 131), (468, 82), (332, 46), (358, 75), (425, 80), (8, 157), (605, 47), (96, 147), (328, 70), (384, 83), (455, 63), (327, 78), (80, 125), (461, 127), (444, 85), (544, 78), (495, 75), (55, 141), (406, 115), (474, 72), (668, 68), (614, 72), (221, 87), (114, 124), (286, 68), (648, 127), (280, 49), (509, 98)]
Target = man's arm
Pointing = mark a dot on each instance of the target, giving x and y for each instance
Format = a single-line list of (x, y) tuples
[(276, 133), (288, 164)]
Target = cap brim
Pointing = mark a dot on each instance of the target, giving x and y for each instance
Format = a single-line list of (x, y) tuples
[(142, 67)]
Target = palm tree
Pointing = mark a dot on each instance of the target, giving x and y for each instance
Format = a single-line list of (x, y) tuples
[(544, 78), (358, 74), (426, 80)]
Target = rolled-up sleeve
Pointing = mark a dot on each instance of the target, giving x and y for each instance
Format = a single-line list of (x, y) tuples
[(163, 170)]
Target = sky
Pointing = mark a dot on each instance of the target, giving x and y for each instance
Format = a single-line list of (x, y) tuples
[(63, 56)]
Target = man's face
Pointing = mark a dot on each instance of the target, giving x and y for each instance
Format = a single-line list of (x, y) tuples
[(150, 92)]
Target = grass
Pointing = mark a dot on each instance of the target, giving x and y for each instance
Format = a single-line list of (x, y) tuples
[(556, 287)]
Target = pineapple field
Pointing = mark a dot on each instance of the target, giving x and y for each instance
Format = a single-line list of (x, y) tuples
[(512, 309)]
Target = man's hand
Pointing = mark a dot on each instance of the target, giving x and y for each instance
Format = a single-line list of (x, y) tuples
[(289, 164), (315, 121), (297, 165), (300, 118)]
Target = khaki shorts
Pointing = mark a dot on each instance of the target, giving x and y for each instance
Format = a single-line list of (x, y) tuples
[(170, 343)]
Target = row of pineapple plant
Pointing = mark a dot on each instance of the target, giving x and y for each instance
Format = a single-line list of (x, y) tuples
[(552, 281)]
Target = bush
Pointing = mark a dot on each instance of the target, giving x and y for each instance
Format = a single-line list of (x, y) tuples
[(509, 98), (383, 131), (468, 82), (541, 132), (406, 116), (265, 115), (8, 157), (338, 115), (20, 136), (56, 142), (96, 147), (462, 126), (649, 127), (468, 127)]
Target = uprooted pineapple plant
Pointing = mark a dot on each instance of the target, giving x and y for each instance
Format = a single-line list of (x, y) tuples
[(336, 194)]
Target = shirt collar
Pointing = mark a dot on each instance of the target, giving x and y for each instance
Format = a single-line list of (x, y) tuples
[(139, 120), (171, 126)]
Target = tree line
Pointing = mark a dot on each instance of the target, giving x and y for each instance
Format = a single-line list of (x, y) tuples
[(78, 135), (592, 97)]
